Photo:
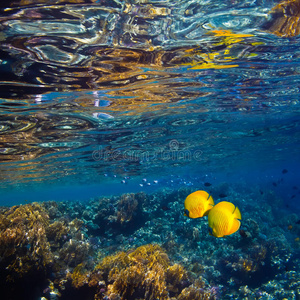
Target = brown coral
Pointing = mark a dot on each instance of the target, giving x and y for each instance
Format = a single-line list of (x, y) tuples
[(74, 252), (79, 276), (127, 206), (140, 273), (24, 249), (176, 273), (196, 292), (22, 231), (143, 273), (57, 232), (286, 19)]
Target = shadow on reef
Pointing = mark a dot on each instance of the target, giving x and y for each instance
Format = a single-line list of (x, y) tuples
[(111, 248), (253, 269)]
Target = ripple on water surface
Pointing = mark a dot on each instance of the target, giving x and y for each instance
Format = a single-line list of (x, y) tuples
[(125, 77)]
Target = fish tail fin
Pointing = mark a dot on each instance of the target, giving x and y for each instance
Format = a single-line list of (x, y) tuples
[(235, 226), (237, 214), (236, 222)]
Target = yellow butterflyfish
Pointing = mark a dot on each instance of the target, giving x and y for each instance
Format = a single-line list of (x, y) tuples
[(198, 204), (224, 219)]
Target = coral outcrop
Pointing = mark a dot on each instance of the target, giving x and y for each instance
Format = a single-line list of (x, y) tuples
[(285, 19), (122, 214), (24, 248), (143, 273)]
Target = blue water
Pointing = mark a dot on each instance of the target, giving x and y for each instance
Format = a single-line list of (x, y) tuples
[(102, 98)]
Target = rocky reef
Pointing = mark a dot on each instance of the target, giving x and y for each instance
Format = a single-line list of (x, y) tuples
[(285, 21), (140, 246)]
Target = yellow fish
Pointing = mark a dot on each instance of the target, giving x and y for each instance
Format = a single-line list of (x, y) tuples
[(198, 204), (224, 219)]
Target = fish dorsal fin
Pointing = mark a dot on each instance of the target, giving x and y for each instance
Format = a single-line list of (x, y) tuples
[(210, 203), (224, 205), (227, 206), (210, 200), (202, 194), (237, 214)]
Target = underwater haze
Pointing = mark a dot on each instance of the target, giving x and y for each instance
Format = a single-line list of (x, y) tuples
[(113, 112)]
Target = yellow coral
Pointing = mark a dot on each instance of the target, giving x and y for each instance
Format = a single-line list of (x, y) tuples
[(128, 280), (195, 292), (79, 276), (23, 234), (150, 255), (138, 272), (146, 273), (112, 264), (174, 275), (249, 266)]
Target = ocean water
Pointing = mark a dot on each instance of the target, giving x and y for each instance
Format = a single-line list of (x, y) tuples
[(112, 112)]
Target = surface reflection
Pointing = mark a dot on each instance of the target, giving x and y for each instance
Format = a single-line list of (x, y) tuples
[(82, 86)]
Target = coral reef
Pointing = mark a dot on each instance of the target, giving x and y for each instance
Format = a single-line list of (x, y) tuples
[(127, 207), (140, 246), (143, 273), (138, 274), (196, 291), (24, 248), (122, 214), (285, 19), (57, 232), (32, 247)]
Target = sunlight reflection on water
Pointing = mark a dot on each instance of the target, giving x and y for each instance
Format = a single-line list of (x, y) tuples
[(119, 77)]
